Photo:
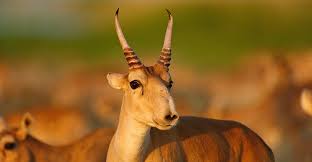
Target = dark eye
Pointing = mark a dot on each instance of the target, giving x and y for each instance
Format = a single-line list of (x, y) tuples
[(135, 84), (170, 84), (10, 146)]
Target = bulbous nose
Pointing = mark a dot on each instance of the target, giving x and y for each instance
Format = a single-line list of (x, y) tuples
[(172, 117)]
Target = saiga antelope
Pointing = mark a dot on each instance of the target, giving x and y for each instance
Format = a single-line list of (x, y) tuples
[(148, 128), (16, 145)]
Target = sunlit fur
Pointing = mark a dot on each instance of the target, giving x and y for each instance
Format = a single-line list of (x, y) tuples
[(91, 148), (140, 135)]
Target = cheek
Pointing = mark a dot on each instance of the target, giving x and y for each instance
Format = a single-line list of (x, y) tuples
[(10, 156), (144, 108), (135, 93)]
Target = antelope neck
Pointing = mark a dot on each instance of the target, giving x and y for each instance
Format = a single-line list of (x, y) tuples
[(131, 139)]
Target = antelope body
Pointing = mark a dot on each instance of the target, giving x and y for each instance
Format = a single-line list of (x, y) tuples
[(16, 145), (150, 129)]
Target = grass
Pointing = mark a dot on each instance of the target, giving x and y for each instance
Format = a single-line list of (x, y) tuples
[(206, 36)]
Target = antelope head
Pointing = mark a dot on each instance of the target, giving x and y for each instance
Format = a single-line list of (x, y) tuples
[(147, 96), (11, 139)]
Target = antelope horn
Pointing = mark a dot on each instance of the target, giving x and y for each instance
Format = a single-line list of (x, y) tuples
[(165, 55), (132, 59)]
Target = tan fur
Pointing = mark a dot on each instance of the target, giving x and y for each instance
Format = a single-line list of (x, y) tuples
[(91, 148), (199, 139)]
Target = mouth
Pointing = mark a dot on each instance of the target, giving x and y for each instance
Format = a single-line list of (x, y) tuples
[(162, 126)]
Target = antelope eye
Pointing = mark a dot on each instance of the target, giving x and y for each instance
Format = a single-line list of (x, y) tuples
[(135, 84), (10, 146)]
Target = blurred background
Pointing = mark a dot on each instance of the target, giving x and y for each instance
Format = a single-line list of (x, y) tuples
[(238, 60)]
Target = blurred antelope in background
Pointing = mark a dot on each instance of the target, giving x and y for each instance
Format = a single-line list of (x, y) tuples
[(277, 116), (306, 101), (16, 145), (150, 129), (54, 126)]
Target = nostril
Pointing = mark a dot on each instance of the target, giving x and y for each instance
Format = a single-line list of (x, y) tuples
[(171, 117)]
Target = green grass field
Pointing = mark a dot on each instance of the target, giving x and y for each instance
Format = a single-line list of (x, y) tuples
[(209, 36)]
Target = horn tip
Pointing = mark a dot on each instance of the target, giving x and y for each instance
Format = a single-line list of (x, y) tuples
[(117, 11), (169, 13)]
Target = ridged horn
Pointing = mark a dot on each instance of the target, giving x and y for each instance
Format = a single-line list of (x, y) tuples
[(132, 59), (165, 55)]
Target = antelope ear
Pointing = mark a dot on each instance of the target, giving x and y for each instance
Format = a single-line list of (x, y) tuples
[(306, 101), (25, 125), (116, 80)]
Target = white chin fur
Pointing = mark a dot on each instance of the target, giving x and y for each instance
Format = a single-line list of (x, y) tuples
[(164, 127)]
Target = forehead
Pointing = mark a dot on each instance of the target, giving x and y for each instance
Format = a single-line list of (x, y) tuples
[(6, 136), (149, 72)]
